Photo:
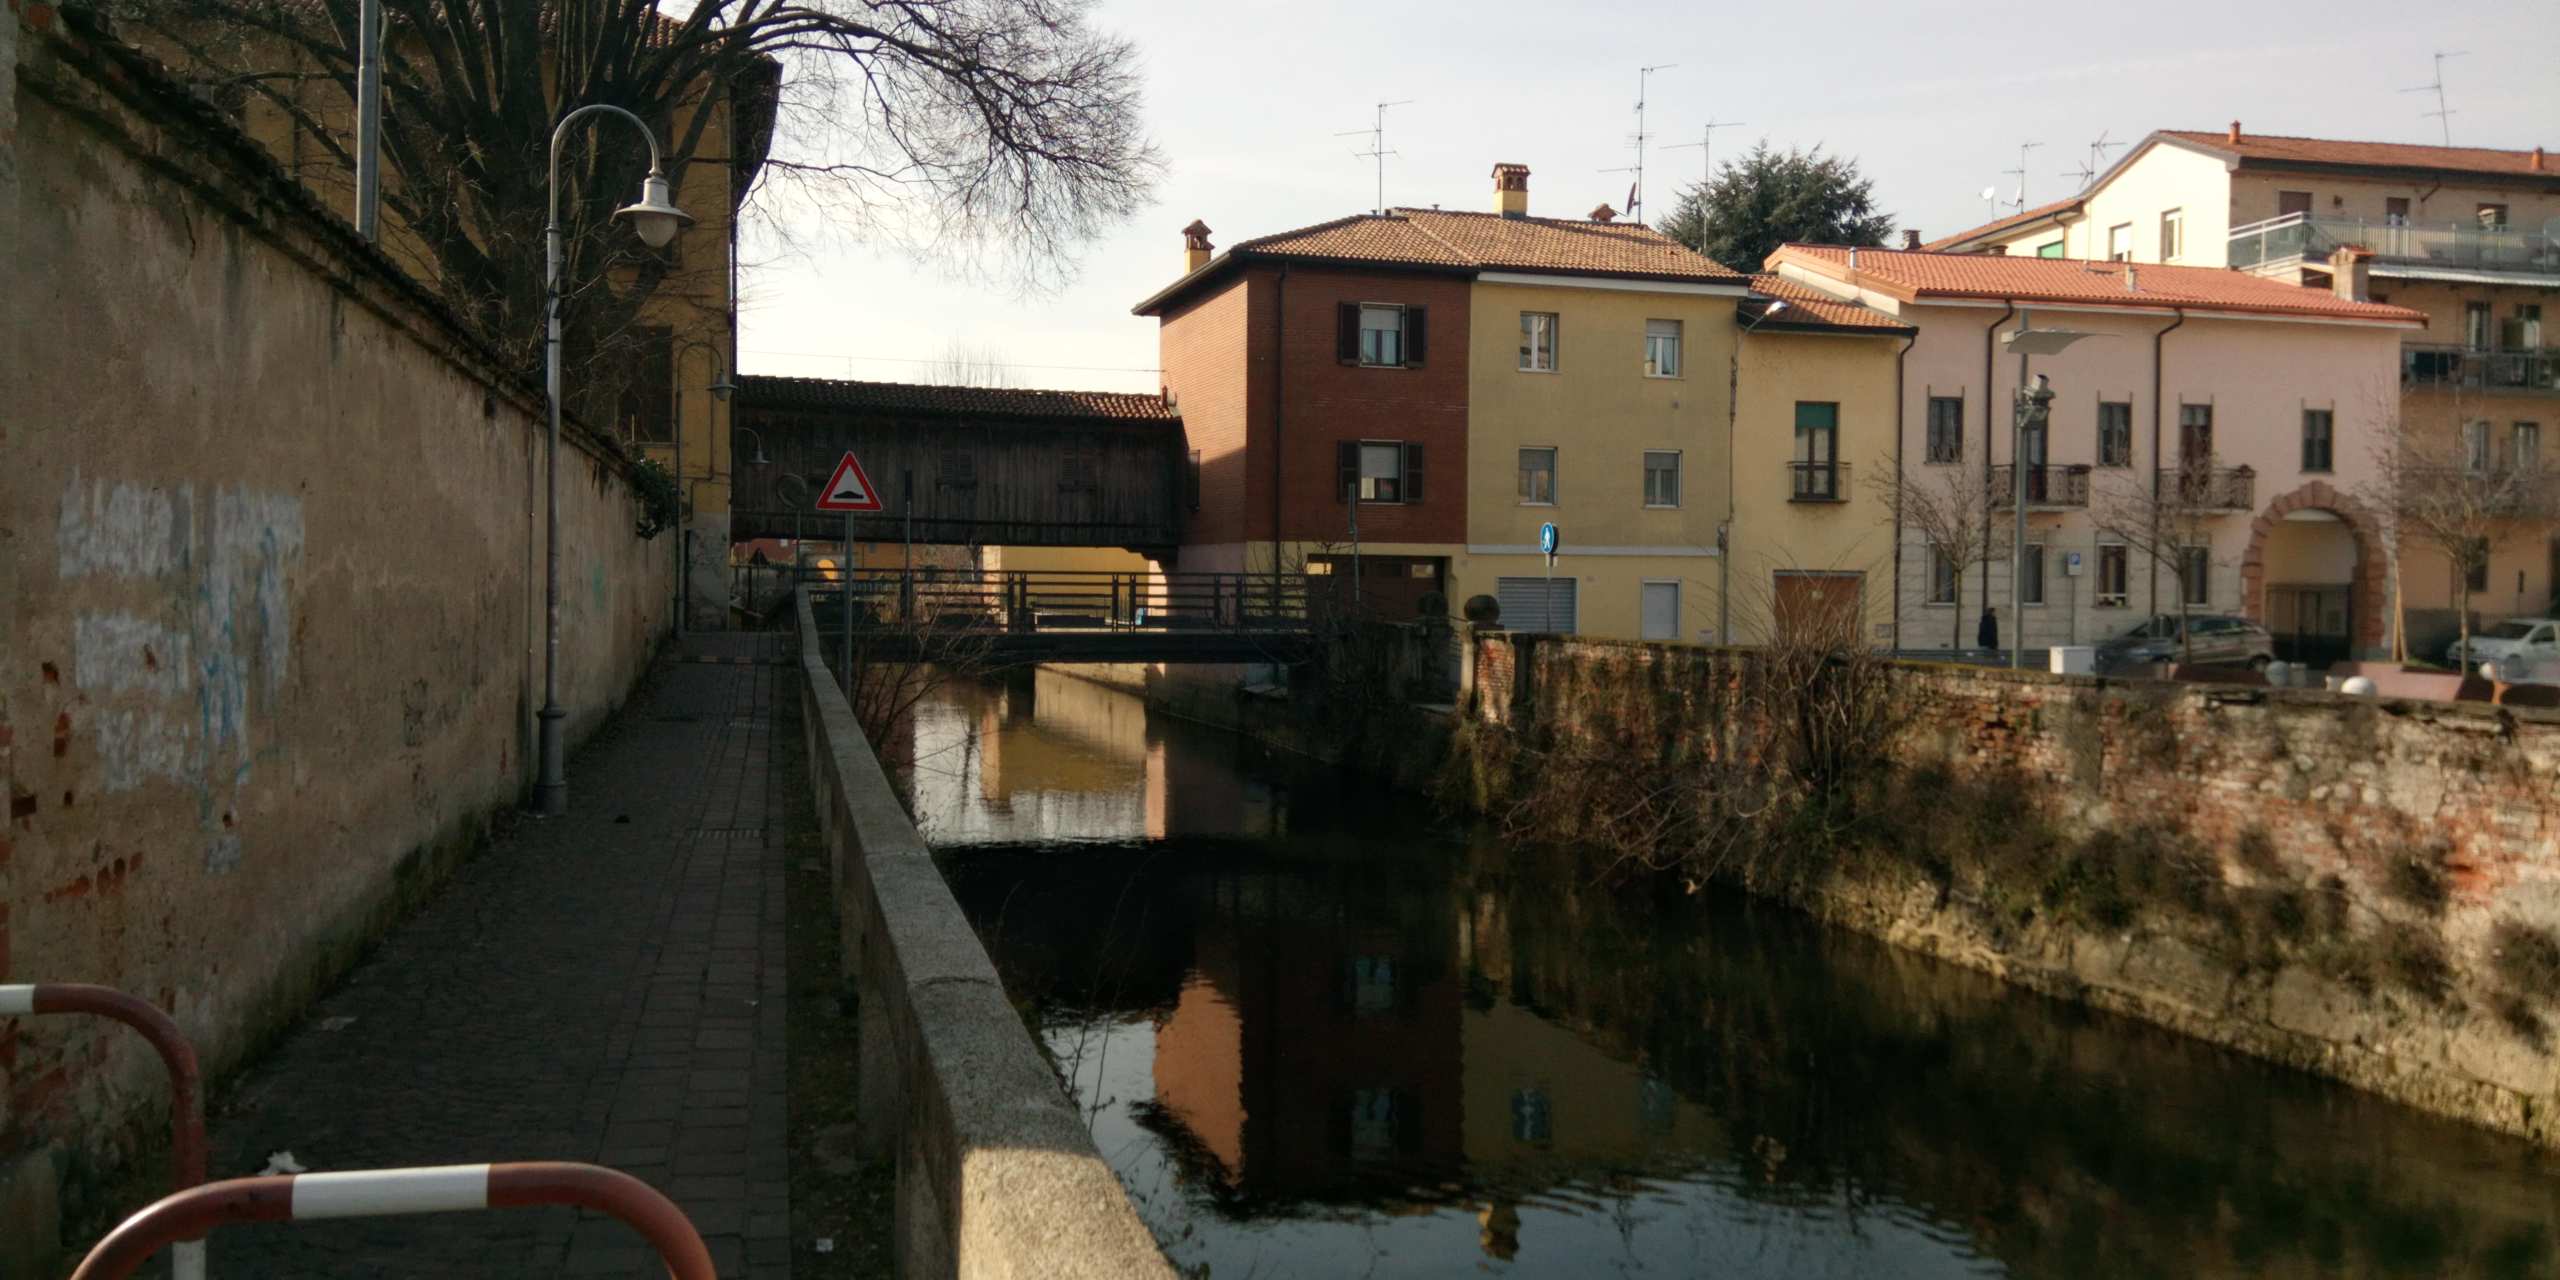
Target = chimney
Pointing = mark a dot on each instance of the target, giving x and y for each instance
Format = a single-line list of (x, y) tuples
[(1603, 214), (1195, 246), (1853, 257), (2234, 136), (1910, 238), (2535, 161), (2351, 273), (1511, 190)]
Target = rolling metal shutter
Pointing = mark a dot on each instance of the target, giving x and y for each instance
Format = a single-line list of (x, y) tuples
[(1535, 604)]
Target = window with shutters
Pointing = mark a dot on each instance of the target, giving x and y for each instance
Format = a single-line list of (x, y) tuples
[(1379, 335), (2115, 433), (956, 468), (1946, 428), (2031, 574), (2195, 575), (1942, 576), (1379, 471), (2113, 576), (2319, 439)]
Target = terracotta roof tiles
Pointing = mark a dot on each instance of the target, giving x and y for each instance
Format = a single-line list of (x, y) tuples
[(2279, 149), (1810, 308), (1916, 274)]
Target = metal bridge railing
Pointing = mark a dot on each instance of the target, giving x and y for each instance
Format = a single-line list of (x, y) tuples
[(972, 600)]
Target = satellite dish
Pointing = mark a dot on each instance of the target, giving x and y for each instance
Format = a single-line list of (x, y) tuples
[(1991, 193)]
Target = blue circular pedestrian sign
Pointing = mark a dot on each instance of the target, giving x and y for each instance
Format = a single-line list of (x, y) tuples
[(1547, 539)]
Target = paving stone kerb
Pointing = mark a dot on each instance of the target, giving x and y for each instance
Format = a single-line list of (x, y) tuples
[(996, 1175)]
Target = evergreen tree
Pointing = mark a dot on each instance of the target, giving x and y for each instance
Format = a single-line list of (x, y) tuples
[(1769, 198)]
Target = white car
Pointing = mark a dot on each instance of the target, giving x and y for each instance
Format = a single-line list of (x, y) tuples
[(2534, 642)]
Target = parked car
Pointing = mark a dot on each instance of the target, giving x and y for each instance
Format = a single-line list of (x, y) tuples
[(2218, 638), (2532, 641)]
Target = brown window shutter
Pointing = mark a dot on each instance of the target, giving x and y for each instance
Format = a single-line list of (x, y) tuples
[(1413, 473), (1346, 333), (1346, 461), (1413, 335)]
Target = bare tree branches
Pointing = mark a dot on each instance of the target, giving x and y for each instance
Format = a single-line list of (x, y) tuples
[(2168, 522), (2447, 483), (1950, 508), (965, 364)]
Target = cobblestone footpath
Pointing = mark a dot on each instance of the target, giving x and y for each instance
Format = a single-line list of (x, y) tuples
[(607, 986)]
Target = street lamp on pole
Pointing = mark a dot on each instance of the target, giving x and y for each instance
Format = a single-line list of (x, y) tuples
[(2034, 408), (656, 219)]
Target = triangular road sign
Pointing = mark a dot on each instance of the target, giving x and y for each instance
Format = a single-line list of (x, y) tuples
[(849, 489)]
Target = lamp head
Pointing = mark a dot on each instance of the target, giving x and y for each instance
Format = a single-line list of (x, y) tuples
[(721, 388), (655, 218)]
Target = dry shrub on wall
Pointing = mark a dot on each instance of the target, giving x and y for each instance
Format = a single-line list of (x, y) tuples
[(1736, 765)]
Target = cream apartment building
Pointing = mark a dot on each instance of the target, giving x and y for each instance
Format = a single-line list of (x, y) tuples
[(2253, 398), (2468, 236)]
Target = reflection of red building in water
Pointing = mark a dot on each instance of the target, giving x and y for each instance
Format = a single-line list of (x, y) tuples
[(1305, 1058)]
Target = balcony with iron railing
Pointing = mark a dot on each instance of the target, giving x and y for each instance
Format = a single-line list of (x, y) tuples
[(2209, 489), (2292, 237), (1817, 481), (2452, 365), (2049, 487)]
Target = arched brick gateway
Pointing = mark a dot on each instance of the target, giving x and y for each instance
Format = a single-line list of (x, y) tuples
[(2371, 569)]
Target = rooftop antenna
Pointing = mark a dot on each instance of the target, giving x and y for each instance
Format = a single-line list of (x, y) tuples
[(2021, 171), (1377, 134), (2089, 168), (1635, 192), (1991, 196), (1706, 147), (2443, 114)]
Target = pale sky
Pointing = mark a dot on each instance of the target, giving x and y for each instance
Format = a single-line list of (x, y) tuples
[(1932, 99)]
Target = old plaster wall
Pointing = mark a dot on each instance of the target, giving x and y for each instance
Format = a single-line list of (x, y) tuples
[(274, 638), (2366, 890)]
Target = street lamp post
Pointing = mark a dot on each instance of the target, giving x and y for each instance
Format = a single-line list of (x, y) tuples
[(656, 219), (2033, 409)]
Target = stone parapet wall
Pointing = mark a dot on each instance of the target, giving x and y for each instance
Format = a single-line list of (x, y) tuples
[(997, 1175), (2365, 889)]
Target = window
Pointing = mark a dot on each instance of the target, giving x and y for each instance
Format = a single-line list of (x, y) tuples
[(2523, 330), (2525, 447), (1379, 335), (2475, 447), (2395, 210), (2195, 574), (1378, 470), (956, 468), (1537, 342), (2111, 575), (2049, 249), (2492, 215), (2120, 242), (2173, 234), (1946, 428), (1662, 348), (1942, 576), (2319, 439), (2195, 436), (1817, 460), (2031, 574), (2115, 433), (1662, 477), (2475, 572), (2292, 202), (1538, 477), (2475, 326)]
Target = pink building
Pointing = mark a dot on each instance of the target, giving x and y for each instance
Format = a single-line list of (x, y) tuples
[(2249, 406)]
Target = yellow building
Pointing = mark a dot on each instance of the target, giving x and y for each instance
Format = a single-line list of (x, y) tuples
[(1599, 405), (1814, 436), (683, 338)]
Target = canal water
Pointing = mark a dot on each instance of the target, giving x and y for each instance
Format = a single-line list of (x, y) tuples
[(1321, 1032)]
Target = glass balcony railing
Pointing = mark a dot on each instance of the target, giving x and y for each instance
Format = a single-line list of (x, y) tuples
[(2452, 244), (2444, 364)]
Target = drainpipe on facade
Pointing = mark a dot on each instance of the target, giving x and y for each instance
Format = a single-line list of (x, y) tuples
[(2159, 410), (1990, 432), (1901, 419), (1724, 527)]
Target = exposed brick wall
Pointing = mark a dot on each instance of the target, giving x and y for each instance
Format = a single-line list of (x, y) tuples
[(2417, 828), (1330, 402), (1201, 348)]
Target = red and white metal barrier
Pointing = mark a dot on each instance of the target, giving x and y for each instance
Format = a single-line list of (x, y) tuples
[(383, 1192), (186, 1092)]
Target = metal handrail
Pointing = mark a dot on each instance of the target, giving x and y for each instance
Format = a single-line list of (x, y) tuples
[(373, 1193), (2048, 484), (186, 1083)]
